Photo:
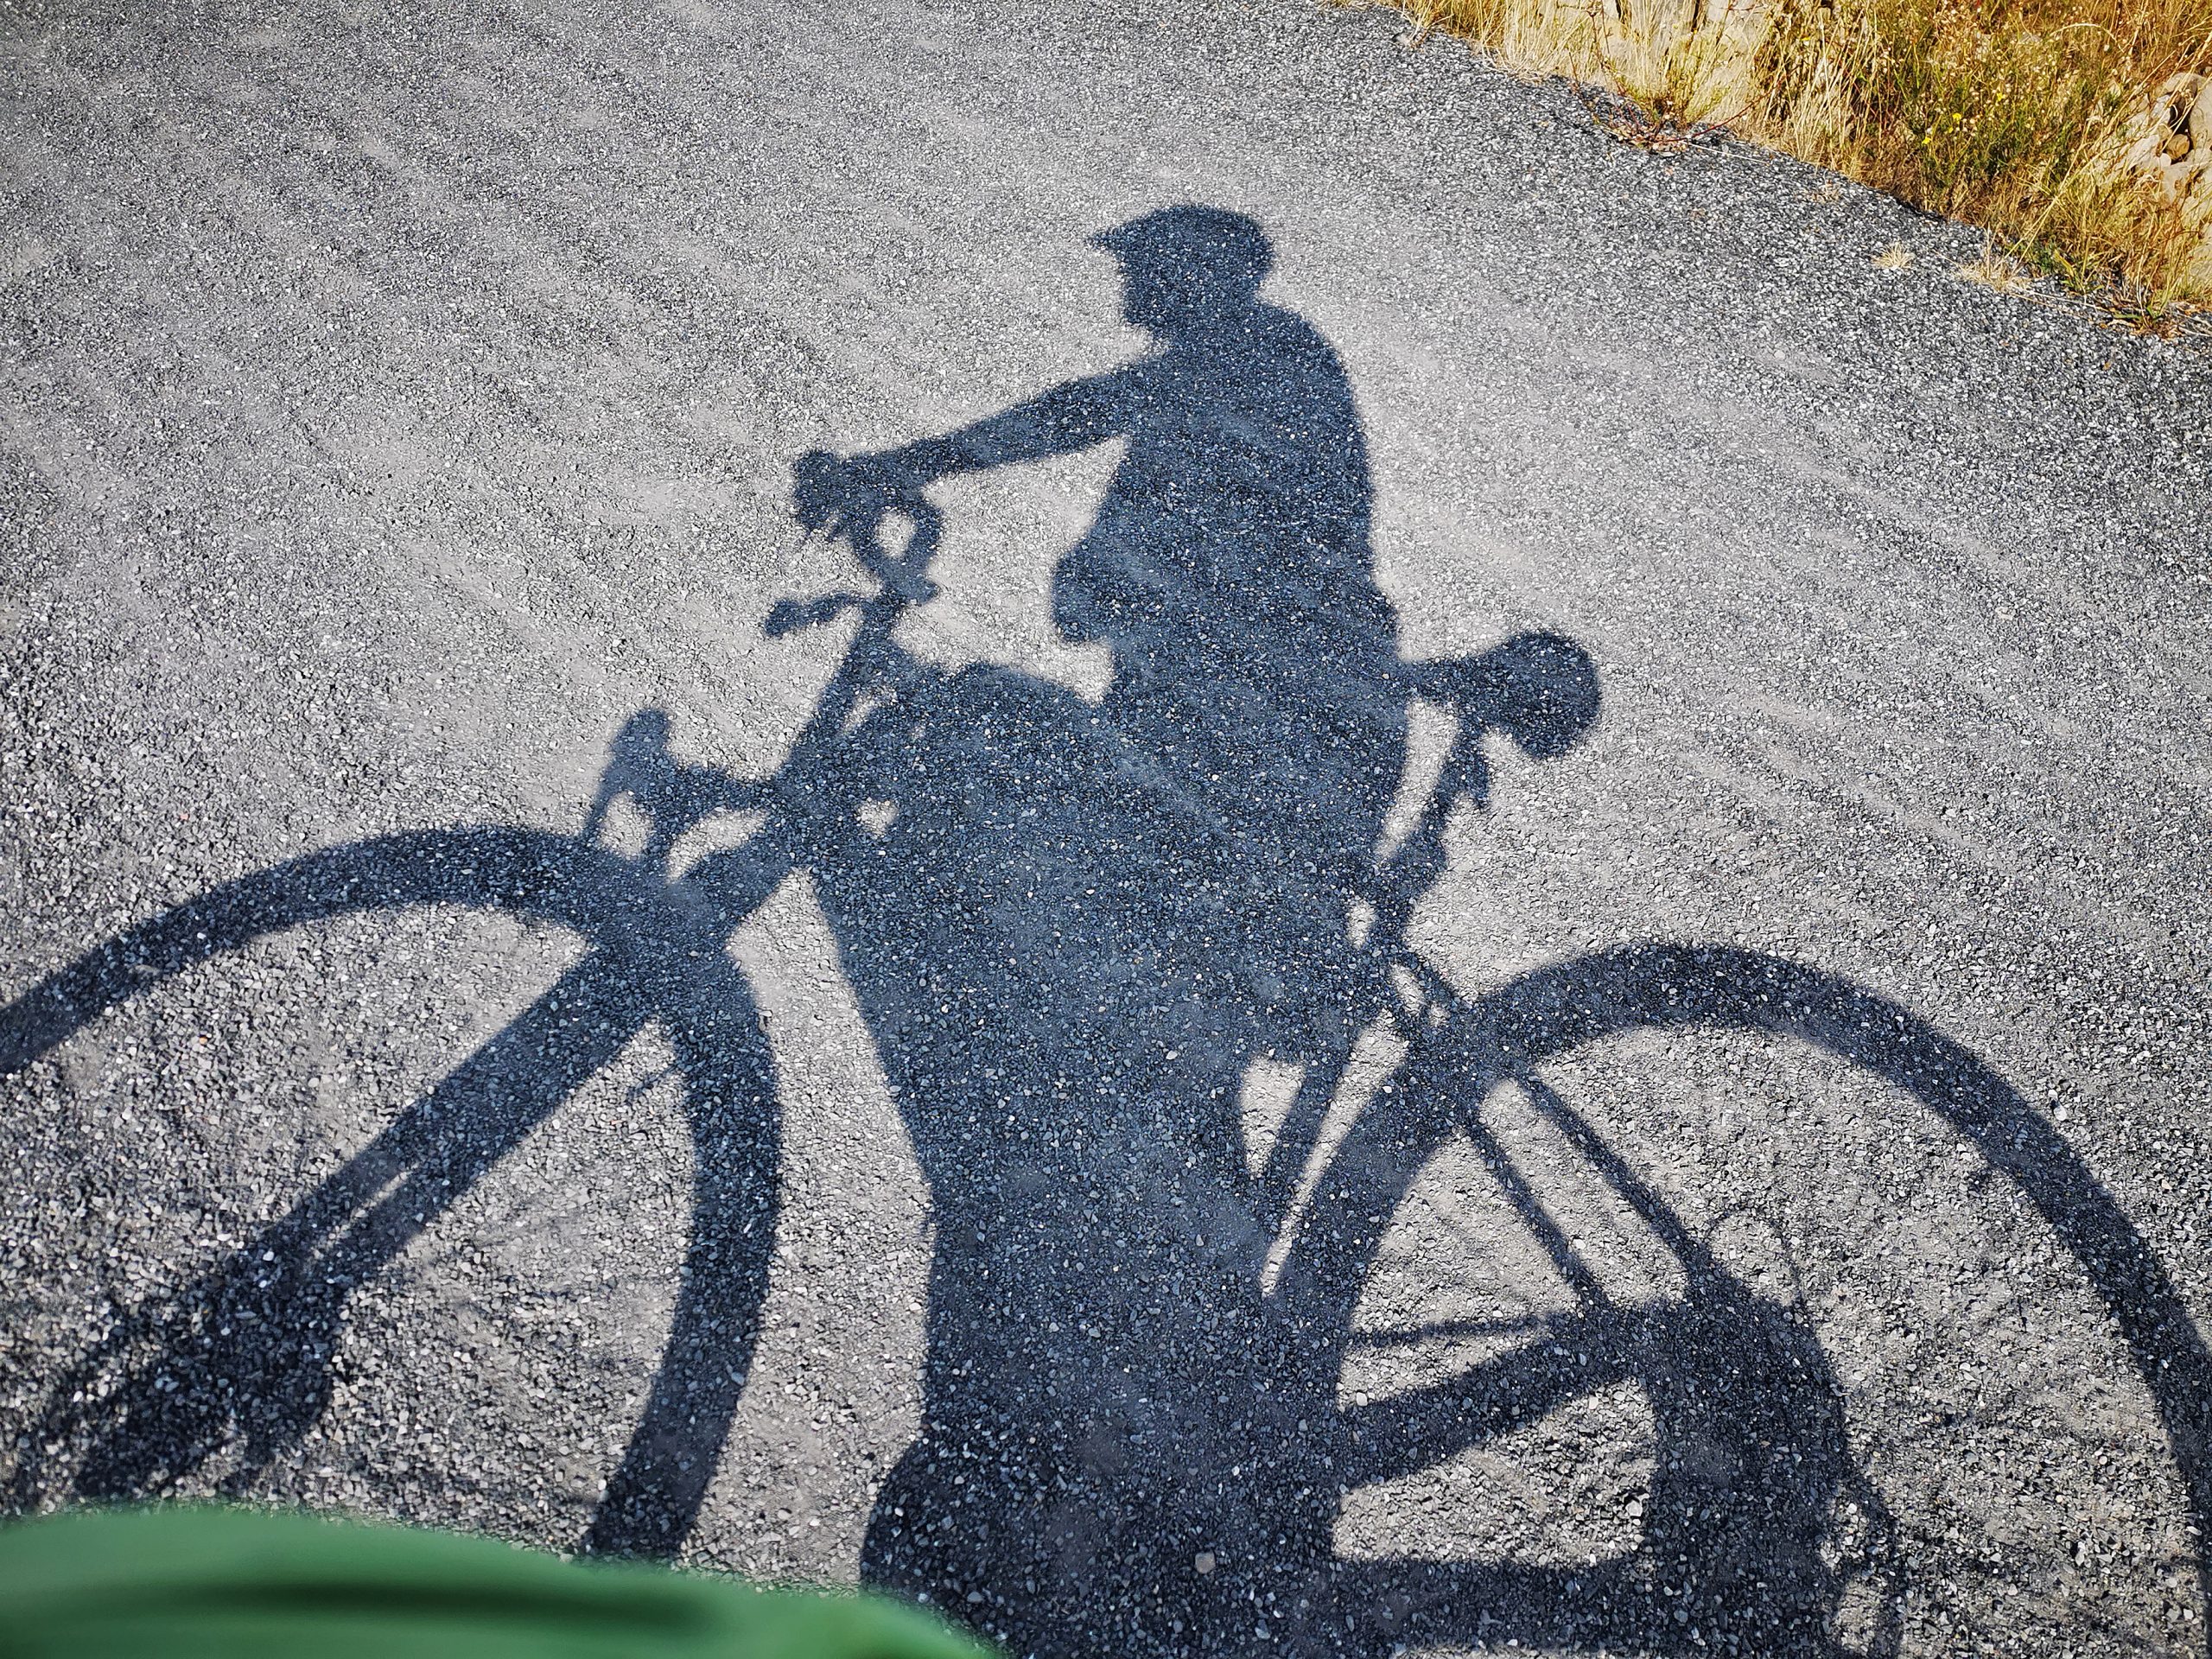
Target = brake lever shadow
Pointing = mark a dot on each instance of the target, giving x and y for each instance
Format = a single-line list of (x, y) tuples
[(788, 616), (904, 575)]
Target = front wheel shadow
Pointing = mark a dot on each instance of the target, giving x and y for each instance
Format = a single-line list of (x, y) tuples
[(217, 1379)]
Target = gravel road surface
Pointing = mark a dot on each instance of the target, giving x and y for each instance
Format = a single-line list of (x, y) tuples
[(507, 1021)]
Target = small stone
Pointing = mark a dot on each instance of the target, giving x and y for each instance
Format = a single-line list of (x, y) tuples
[(1204, 1563)]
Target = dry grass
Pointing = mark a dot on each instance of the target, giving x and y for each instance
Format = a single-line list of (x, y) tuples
[(1998, 270), (2040, 121)]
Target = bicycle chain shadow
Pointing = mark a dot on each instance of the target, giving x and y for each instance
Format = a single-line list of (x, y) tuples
[(1072, 929)]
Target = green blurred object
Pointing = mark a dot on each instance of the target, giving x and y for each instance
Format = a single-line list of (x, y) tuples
[(243, 1584)]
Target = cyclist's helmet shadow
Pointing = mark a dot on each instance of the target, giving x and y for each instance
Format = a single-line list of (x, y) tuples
[(1081, 926)]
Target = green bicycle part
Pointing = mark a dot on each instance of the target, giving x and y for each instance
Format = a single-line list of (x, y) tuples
[(192, 1582)]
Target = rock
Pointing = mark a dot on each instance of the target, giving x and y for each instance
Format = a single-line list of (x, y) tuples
[(2171, 138)]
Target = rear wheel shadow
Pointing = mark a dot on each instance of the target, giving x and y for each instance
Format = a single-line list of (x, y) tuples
[(1780, 1529)]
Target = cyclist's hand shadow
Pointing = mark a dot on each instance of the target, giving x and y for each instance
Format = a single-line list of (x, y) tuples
[(831, 495), (853, 499)]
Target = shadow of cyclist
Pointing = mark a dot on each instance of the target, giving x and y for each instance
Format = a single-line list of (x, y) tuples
[(1258, 705), (1081, 926)]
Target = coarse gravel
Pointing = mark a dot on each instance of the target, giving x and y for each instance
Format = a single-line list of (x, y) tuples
[(399, 401)]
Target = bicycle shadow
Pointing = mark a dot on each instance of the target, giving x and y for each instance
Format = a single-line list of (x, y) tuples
[(1073, 930)]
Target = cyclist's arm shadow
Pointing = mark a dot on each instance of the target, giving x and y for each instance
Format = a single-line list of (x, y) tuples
[(1074, 415)]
